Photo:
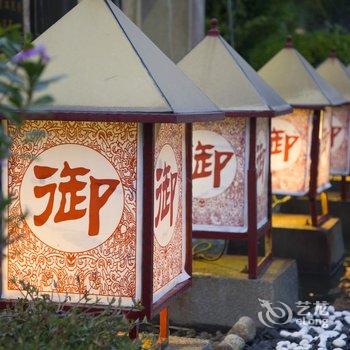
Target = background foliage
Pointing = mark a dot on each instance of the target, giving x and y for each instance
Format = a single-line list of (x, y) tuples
[(261, 26)]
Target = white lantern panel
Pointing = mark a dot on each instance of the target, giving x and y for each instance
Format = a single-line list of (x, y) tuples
[(340, 141), (169, 209), (219, 175), (73, 221), (290, 152), (324, 164), (262, 169)]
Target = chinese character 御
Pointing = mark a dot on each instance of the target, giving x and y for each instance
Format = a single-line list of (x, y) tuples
[(202, 163), (165, 193), (277, 143), (335, 131), (69, 189)]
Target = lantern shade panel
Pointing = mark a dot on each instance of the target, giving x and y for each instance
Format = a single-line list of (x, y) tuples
[(219, 175), (340, 141), (324, 163), (299, 84), (76, 216), (169, 250), (221, 150), (290, 152), (262, 169), (333, 70)]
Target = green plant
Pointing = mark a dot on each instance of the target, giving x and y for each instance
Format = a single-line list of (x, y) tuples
[(21, 69), (35, 321)]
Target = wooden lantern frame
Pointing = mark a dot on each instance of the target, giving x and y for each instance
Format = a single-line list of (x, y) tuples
[(253, 234), (316, 219), (328, 96), (268, 104), (150, 308)]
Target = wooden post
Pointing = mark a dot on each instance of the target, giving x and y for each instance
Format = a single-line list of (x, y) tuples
[(314, 154), (164, 327), (344, 189), (148, 215), (252, 212)]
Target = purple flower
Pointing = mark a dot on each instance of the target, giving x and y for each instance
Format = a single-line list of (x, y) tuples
[(38, 50)]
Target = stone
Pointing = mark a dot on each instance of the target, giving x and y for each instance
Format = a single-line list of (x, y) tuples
[(304, 342), (228, 293), (285, 334), (244, 328), (218, 336), (308, 337), (331, 309), (207, 346), (347, 319), (339, 343), (186, 343), (231, 342)]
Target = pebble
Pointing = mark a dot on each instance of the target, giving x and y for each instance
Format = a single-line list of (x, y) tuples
[(339, 343), (285, 334), (331, 309), (308, 337), (347, 319), (330, 331), (244, 328), (231, 342)]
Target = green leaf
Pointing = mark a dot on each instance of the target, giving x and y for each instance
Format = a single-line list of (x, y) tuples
[(43, 100)]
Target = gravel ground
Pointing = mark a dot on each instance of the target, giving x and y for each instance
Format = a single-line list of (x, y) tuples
[(337, 294)]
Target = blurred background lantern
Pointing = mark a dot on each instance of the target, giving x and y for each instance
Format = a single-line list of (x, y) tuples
[(301, 141), (106, 184), (231, 167), (336, 74)]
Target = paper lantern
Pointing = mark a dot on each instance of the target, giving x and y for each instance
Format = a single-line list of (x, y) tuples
[(102, 175), (336, 74), (300, 154), (231, 158)]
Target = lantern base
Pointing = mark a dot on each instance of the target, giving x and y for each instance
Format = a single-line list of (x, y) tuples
[(337, 208), (221, 293), (317, 250)]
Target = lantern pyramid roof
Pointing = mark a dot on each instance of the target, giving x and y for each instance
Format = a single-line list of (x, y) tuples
[(293, 77), (112, 69), (230, 82), (334, 71)]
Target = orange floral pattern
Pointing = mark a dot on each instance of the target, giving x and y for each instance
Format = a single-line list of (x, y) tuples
[(106, 270), (167, 260)]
